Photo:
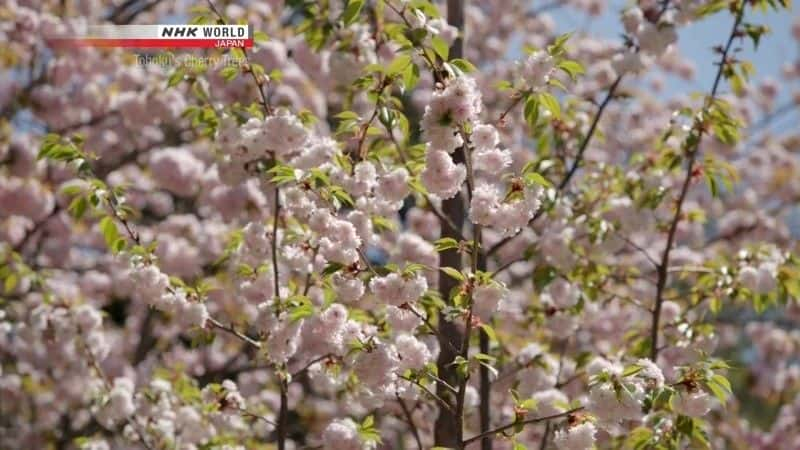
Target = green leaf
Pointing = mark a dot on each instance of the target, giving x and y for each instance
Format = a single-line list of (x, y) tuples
[(237, 53), (398, 64), (551, 103), (531, 111), (410, 76), (715, 304), (711, 180), (176, 77), (10, 283), (347, 115), (301, 312), (276, 75), (504, 85), (720, 387), (48, 142), (332, 268), (638, 438), (109, 230), (368, 432), (229, 72), (711, 8), (352, 11), (368, 422), (558, 46), (543, 275), (342, 196), (445, 244), (282, 174), (464, 65), (663, 398), (726, 133), (537, 179), (557, 83), (462, 366), (260, 37), (78, 206), (440, 47), (494, 372), (484, 357), (71, 190), (633, 369), (453, 273), (571, 68), (119, 245), (489, 332), (718, 391), (380, 224), (722, 381)]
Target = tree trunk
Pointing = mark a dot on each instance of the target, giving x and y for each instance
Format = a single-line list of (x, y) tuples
[(447, 432)]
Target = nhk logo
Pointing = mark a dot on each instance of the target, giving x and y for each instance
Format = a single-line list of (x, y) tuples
[(161, 36), (204, 31)]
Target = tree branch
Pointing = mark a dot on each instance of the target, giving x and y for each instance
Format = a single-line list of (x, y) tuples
[(500, 429), (576, 163), (663, 268), (410, 420)]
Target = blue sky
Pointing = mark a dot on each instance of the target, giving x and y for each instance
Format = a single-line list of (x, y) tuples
[(696, 41)]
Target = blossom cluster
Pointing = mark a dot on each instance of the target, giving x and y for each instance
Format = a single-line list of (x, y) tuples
[(378, 231)]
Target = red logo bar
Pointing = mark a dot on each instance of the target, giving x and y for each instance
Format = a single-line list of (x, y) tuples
[(153, 43)]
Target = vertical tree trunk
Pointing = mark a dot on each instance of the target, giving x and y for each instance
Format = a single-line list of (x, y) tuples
[(485, 386), (455, 17), (447, 432)]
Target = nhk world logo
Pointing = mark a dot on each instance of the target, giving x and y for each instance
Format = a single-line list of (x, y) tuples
[(161, 36)]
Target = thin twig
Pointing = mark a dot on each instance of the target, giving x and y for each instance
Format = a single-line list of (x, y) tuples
[(247, 413), (504, 267), (276, 211), (410, 420), (515, 100), (639, 248), (693, 269), (259, 81), (36, 227), (311, 363), (576, 163), (230, 329), (433, 395), (429, 325), (107, 383), (766, 120), (441, 381), (502, 428), (283, 414), (476, 245), (442, 218), (434, 70), (663, 268)]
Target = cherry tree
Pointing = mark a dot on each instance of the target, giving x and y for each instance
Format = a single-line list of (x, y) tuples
[(397, 224)]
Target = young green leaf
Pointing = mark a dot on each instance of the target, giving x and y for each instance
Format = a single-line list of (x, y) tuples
[(551, 104)]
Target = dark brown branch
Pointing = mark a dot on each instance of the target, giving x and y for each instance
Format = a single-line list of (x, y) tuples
[(311, 363), (576, 163), (127, 11), (663, 268), (502, 428), (410, 420), (432, 394), (36, 227), (230, 329)]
